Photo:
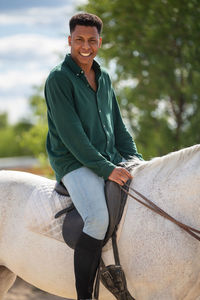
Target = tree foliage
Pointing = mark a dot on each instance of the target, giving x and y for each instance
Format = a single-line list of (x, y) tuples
[(11, 136), (3, 120), (35, 138), (154, 47), (26, 137)]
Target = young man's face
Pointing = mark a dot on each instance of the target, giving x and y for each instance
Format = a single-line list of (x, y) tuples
[(85, 42)]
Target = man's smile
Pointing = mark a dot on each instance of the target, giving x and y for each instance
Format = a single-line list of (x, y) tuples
[(85, 54)]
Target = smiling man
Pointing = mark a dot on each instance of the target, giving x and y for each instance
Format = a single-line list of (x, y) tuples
[(86, 140)]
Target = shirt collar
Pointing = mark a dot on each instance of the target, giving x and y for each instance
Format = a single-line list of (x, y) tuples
[(76, 69)]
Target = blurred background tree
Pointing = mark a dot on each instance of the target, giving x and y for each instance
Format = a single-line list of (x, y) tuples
[(35, 137), (153, 50), (11, 136), (26, 137)]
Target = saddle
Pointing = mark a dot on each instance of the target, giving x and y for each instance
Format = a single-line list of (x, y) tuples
[(73, 223), (112, 276)]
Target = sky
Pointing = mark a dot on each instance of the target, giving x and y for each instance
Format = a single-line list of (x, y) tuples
[(33, 39)]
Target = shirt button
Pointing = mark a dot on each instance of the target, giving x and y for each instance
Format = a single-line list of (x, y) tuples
[(81, 71), (104, 125), (99, 110), (77, 74)]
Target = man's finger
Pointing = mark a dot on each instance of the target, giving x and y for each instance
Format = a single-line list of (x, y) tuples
[(126, 172)]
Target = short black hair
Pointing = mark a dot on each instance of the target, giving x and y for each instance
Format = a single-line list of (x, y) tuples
[(85, 19)]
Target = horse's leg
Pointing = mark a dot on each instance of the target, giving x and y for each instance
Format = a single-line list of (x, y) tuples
[(7, 278)]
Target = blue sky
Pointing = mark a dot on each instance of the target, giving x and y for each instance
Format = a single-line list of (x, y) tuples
[(33, 38)]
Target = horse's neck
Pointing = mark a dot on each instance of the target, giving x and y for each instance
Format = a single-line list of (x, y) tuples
[(173, 183)]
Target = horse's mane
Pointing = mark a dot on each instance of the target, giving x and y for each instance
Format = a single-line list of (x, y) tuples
[(171, 160)]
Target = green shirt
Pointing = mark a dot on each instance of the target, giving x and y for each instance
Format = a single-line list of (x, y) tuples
[(85, 127)]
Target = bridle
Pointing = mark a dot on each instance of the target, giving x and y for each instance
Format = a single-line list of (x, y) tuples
[(149, 204)]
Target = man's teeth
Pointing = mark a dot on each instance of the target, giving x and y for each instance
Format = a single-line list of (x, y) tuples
[(85, 54)]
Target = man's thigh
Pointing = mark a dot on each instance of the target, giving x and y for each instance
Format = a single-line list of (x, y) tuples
[(86, 190)]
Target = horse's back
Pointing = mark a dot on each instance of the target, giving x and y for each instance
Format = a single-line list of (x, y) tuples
[(15, 190), (33, 201), (18, 177)]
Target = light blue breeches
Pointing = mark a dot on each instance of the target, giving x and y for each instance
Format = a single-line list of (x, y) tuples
[(87, 192)]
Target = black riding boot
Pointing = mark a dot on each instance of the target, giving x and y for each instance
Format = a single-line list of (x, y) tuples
[(86, 260)]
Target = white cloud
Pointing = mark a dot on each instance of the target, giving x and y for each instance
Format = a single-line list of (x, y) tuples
[(32, 45), (36, 15), (27, 59), (81, 2), (16, 108), (12, 79), (32, 42)]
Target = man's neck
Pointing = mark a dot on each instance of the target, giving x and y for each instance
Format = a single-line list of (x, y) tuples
[(86, 68)]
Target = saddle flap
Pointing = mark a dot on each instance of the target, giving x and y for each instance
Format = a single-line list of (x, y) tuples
[(72, 228), (116, 200), (73, 223)]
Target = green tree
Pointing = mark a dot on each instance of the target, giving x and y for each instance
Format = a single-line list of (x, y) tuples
[(154, 48), (34, 139), (11, 136), (3, 120)]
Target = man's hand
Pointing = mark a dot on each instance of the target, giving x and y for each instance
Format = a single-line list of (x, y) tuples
[(120, 175)]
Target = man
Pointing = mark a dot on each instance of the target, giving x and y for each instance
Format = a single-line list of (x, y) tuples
[(86, 140)]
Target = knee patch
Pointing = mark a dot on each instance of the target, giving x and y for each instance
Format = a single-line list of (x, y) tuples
[(97, 225)]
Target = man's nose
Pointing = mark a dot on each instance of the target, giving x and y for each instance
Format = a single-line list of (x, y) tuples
[(85, 45)]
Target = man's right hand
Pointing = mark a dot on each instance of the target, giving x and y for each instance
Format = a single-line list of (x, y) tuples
[(120, 175)]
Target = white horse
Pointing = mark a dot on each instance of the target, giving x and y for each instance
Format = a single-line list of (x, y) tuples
[(161, 261)]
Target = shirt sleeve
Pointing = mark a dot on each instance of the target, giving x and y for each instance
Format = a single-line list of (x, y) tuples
[(123, 140), (61, 107)]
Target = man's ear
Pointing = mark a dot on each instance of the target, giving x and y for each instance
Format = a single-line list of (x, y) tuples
[(69, 40), (100, 42)]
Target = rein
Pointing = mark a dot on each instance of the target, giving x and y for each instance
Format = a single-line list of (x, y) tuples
[(149, 204)]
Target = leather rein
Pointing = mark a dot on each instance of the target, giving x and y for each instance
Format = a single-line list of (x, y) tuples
[(149, 204)]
